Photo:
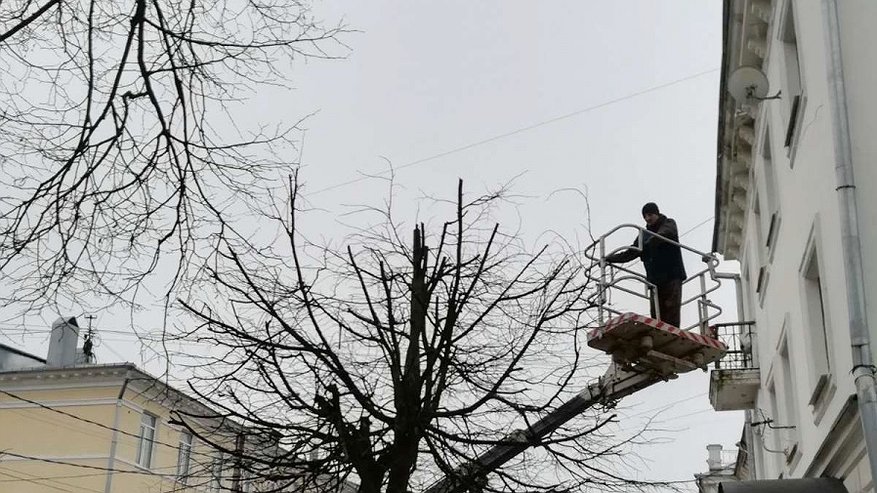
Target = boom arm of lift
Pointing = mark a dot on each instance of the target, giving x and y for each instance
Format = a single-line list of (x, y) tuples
[(644, 352), (612, 386)]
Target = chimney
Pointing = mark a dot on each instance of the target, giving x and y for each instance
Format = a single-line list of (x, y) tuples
[(714, 458), (62, 343)]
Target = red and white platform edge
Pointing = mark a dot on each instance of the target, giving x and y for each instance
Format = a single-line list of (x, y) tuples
[(638, 341)]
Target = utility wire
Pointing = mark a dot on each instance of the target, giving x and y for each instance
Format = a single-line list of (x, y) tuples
[(88, 466), (66, 476), (666, 406), (95, 423), (41, 482), (34, 478), (518, 131), (697, 226)]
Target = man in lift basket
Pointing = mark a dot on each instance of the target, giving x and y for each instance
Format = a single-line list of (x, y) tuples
[(662, 260)]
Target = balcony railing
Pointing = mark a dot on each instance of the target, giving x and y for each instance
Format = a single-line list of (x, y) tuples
[(738, 336)]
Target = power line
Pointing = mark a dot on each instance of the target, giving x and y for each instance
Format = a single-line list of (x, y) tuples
[(39, 481), (22, 329), (66, 476), (54, 422), (666, 406), (519, 130), (34, 481), (697, 226), (110, 349), (88, 466), (95, 423)]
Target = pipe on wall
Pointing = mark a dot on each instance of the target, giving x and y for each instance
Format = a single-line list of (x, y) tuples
[(111, 461), (860, 338)]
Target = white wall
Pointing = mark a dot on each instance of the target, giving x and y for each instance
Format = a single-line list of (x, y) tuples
[(804, 194), (857, 19)]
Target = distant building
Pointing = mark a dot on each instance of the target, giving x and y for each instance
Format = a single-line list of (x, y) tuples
[(788, 210), (722, 465), (11, 358), (68, 426)]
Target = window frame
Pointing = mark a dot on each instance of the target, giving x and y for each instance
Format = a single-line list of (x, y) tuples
[(794, 99), (216, 469), (184, 456), (770, 189), (776, 439), (816, 326), (145, 444)]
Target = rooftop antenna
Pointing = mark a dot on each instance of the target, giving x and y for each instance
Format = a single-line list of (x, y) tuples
[(749, 85), (88, 343)]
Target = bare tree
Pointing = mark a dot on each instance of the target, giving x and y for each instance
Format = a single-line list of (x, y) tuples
[(389, 362), (396, 360), (122, 134)]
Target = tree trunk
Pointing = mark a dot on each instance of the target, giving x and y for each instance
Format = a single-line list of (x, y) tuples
[(407, 398)]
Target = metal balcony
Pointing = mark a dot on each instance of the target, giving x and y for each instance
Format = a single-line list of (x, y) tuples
[(735, 380)]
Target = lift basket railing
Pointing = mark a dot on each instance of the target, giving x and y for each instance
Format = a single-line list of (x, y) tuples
[(612, 278)]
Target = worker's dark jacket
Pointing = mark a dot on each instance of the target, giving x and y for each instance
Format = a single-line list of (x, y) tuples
[(662, 260)]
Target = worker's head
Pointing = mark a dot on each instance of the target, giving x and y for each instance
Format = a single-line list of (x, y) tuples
[(651, 214)]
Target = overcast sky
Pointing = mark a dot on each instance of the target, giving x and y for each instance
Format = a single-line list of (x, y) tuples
[(616, 98), (559, 94)]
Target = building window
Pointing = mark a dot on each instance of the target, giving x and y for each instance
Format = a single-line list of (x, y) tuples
[(748, 288), (246, 482), (760, 243), (788, 405), (793, 93), (760, 252), (184, 458), (771, 218), (814, 314), (775, 446), (216, 473), (147, 440)]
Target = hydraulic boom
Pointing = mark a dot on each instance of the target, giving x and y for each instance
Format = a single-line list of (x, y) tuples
[(613, 385), (644, 351)]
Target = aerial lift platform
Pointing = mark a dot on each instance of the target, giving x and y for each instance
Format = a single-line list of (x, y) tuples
[(644, 351)]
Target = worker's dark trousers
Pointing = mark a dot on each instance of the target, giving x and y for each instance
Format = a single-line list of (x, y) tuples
[(669, 299)]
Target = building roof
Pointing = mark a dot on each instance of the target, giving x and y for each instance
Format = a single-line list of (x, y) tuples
[(720, 135), (149, 386), (744, 33), (12, 358), (10, 349)]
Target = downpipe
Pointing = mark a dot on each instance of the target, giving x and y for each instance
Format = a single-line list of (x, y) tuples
[(111, 460), (860, 338)]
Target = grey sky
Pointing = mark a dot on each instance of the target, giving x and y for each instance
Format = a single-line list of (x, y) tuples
[(425, 78)]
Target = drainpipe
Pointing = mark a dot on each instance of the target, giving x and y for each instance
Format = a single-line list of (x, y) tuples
[(738, 289), (111, 461), (747, 424), (860, 339)]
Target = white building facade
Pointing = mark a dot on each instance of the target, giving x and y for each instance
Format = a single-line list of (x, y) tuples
[(781, 212)]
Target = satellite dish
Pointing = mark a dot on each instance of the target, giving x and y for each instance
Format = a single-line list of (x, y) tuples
[(749, 85)]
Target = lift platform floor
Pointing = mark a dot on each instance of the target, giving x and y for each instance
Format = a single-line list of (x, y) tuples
[(638, 341)]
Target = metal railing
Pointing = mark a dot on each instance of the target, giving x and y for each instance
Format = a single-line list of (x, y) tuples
[(614, 277), (739, 337)]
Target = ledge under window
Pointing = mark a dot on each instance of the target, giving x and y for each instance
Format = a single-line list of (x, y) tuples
[(821, 396)]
